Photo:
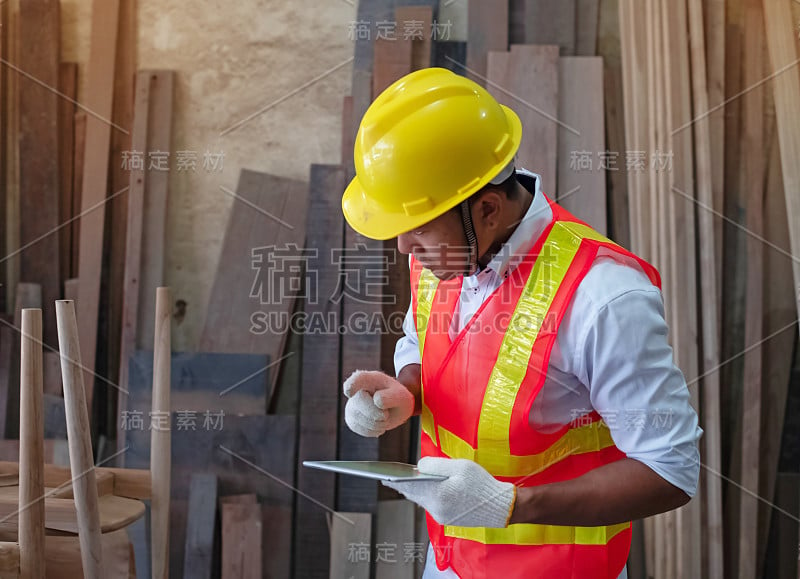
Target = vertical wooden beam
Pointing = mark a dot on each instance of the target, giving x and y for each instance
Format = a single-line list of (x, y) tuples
[(551, 22), (487, 31), (68, 85), (753, 164), (587, 13), (160, 436), (350, 533), (77, 188), (39, 152), (318, 424), (117, 219), (31, 449), (526, 80), (241, 541), (580, 108), (99, 97), (786, 92), (80, 444)]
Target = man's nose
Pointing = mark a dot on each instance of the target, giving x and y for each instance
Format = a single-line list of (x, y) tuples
[(405, 243)]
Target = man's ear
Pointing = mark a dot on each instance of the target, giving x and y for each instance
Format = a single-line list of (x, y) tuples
[(488, 208)]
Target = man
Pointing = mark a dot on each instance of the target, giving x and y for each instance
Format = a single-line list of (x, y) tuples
[(535, 349)]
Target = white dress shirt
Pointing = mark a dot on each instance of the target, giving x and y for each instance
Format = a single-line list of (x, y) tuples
[(611, 354)]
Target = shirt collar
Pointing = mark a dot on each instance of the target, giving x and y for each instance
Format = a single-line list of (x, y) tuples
[(527, 231)]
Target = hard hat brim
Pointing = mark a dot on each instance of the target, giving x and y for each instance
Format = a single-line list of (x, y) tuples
[(371, 219)]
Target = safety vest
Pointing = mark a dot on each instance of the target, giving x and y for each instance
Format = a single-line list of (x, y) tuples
[(477, 392)]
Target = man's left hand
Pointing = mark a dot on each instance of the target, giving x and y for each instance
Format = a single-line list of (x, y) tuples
[(469, 497)]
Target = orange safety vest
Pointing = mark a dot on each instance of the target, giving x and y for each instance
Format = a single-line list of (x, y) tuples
[(477, 393)]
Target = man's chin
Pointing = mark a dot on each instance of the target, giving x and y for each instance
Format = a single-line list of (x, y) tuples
[(444, 275)]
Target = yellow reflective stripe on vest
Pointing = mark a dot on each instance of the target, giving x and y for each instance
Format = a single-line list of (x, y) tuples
[(588, 438), (426, 289), (540, 289), (528, 534)]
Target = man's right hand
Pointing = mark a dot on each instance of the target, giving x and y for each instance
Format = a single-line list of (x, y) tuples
[(376, 403)]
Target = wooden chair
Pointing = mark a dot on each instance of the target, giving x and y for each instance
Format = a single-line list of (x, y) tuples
[(94, 503)]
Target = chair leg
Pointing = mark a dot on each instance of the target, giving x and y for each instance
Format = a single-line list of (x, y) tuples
[(160, 438), (80, 445), (31, 448)]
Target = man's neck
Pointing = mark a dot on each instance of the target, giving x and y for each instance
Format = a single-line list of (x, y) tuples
[(507, 229)]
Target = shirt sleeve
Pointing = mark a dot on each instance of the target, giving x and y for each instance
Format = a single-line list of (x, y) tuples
[(406, 351), (626, 362)]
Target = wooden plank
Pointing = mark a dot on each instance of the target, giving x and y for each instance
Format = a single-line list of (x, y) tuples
[(121, 142), (77, 188), (68, 86), (526, 80), (714, 24), (416, 23), (198, 558), (487, 32), (39, 154), (154, 214), (99, 94), (248, 454), (753, 165), (7, 337), (451, 55), (145, 231), (580, 105), (551, 22), (241, 541), (265, 233), (689, 537), (350, 538), (318, 425), (395, 530), (347, 130), (392, 62), (587, 13), (786, 92), (361, 263), (11, 29), (635, 94), (5, 96), (780, 317), (608, 46)]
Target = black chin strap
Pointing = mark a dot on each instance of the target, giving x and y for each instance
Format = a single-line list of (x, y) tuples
[(469, 234)]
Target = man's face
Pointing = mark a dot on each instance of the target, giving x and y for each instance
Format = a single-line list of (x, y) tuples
[(439, 245)]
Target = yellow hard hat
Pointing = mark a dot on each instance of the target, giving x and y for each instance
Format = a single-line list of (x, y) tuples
[(427, 143)]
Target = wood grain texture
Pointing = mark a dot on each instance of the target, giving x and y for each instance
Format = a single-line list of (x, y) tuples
[(31, 451), (786, 92), (780, 317), (321, 374), (392, 62), (68, 86), (268, 218), (581, 190), (350, 532), (198, 558), (753, 172), (552, 22), (77, 188), (609, 48), (241, 541), (39, 180), (487, 31), (160, 436), (526, 80), (80, 445), (587, 13), (156, 200), (99, 95), (395, 530)]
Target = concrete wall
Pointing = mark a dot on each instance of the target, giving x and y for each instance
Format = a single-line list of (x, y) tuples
[(233, 59)]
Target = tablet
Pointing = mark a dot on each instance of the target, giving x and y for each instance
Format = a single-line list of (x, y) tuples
[(374, 469)]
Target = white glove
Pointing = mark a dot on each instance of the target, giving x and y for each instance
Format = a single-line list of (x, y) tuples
[(377, 403), (469, 497)]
